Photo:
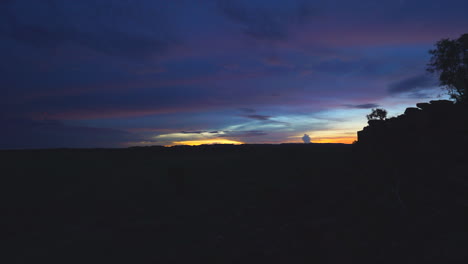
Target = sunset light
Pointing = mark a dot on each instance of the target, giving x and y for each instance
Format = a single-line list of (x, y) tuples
[(245, 131), (255, 72), (344, 140), (208, 142)]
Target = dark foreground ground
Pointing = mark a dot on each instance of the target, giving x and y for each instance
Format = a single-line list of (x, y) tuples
[(233, 204)]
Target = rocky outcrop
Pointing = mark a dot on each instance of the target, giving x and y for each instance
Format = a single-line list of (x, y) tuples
[(437, 123)]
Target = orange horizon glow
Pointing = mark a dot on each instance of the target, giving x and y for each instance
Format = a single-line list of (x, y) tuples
[(344, 140), (206, 142)]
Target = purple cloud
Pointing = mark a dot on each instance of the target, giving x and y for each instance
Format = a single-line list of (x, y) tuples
[(258, 117), (23, 133), (363, 106), (412, 84)]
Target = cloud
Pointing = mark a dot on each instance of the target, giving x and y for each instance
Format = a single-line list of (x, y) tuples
[(412, 84), (120, 29), (247, 110), (266, 21), (266, 120), (25, 133), (201, 132), (340, 66), (194, 132), (363, 106), (210, 134), (276, 61), (243, 134), (306, 138), (258, 117)]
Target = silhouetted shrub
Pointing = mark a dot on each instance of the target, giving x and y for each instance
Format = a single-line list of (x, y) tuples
[(377, 114)]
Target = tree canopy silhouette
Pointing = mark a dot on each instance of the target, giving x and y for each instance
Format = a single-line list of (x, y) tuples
[(377, 114), (450, 60)]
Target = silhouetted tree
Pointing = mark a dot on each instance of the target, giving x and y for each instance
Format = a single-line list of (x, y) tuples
[(450, 61), (377, 114)]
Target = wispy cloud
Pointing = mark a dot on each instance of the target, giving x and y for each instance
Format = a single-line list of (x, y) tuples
[(247, 110), (25, 133), (267, 22), (258, 117), (412, 84), (244, 134), (363, 106), (99, 26)]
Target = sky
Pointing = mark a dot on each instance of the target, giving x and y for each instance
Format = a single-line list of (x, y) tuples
[(115, 73)]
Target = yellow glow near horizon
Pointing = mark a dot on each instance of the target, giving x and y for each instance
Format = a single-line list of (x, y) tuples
[(345, 140), (206, 142)]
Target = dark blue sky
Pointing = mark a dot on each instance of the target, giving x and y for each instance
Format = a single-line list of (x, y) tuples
[(120, 73)]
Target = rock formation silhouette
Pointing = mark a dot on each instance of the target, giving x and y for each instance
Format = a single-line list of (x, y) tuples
[(422, 154), (439, 123)]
